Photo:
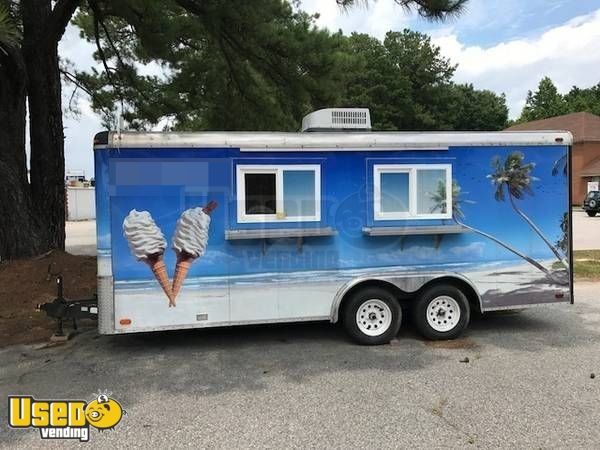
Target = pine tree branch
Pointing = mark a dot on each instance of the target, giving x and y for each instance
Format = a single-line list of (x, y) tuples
[(72, 78), (433, 10)]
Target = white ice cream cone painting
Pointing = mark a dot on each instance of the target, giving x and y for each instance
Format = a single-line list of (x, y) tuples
[(147, 244), (189, 241)]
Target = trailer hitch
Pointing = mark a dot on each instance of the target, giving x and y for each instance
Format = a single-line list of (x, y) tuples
[(63, 309)]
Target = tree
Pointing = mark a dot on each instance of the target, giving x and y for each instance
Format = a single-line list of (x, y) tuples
[(9, 34), (514, 177), (407, 85), (404, 80), (440, 204), (548, 102), (244, 66), (16, 232), (195, 95), (430, 9), (543, 103), (588, 99), (33, 208), (475, 110), (32, 219)]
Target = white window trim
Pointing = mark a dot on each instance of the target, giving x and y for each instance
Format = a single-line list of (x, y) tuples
[(278, 170), (411, 169)]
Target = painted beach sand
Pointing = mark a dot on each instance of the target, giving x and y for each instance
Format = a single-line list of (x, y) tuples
[(212, 301)]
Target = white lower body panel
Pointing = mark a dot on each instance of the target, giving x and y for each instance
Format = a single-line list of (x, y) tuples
[(304, 296)]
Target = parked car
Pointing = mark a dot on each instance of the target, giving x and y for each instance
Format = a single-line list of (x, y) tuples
[(591, 203)]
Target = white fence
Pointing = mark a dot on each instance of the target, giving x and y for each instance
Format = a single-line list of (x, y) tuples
[(81, 203)]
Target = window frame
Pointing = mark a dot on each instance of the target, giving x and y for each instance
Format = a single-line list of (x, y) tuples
[(411, 169), (277, 169)]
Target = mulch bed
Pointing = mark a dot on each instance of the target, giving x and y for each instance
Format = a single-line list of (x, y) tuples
[(28, 282)]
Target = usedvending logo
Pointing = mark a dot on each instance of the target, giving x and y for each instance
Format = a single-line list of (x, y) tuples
[(64, 419)]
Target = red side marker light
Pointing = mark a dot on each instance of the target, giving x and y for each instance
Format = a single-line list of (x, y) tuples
[(125, 321)]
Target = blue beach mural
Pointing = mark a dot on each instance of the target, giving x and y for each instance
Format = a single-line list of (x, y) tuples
[(506, 224)]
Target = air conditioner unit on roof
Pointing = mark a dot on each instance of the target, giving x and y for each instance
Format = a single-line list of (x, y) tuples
[(338, 119)]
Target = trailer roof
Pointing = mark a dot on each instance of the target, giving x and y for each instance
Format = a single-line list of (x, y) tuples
[(340, 141)]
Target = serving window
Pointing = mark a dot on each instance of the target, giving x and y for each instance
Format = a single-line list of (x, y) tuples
[(420, 191), (278, 193)]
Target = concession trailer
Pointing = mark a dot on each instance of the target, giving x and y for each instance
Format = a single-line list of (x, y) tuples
[(334, 223)]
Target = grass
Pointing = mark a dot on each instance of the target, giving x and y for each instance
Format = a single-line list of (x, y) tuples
[(586, 264)]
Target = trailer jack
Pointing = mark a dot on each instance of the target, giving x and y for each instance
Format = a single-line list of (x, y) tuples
[(63, 309)]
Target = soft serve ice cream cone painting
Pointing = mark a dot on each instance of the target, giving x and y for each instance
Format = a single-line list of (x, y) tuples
[(147, 244), (189, 241)]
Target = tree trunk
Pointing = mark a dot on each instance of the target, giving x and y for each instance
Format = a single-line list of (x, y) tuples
[(18, 227), (531, 261), (534, 227), (47, 161)]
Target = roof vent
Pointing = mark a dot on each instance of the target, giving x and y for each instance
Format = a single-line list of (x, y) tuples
[(338, 119)]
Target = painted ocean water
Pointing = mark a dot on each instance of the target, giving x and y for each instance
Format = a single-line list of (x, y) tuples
[(478, 271)]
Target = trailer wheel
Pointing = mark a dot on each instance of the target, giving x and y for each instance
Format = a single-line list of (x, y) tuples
[(442, 312), (372, 316), (591, 213)]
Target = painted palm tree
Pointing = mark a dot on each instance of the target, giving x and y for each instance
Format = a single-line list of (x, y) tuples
[(561, 165), (514, 176), (441, 204), (563, 241)]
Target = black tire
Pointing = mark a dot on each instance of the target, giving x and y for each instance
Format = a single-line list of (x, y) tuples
[(591, 213), (420, 312), (358, 299)]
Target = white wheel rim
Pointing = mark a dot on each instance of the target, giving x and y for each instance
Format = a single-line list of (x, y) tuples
[(374, 317), (443, 313)]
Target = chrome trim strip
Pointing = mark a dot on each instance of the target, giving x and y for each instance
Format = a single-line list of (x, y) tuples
[(565, 301), (339, 148), (222, 324), (339, 141), (106, 305)]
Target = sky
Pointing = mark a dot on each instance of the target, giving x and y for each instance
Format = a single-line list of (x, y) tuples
[(506, 46)]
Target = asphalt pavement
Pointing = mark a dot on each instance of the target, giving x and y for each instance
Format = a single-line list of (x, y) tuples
[(586, 231), (80, 237), (527, 385)]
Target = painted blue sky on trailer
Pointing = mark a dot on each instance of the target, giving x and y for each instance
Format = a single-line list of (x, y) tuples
[(166, 182)]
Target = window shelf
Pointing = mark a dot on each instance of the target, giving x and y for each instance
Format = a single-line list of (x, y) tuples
[(275, 233), (437, 231), (415, 231)]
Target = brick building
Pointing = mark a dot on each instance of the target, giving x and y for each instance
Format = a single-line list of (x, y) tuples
[(585, 128)]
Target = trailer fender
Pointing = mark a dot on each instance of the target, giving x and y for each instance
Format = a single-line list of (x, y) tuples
[(402, 283)]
